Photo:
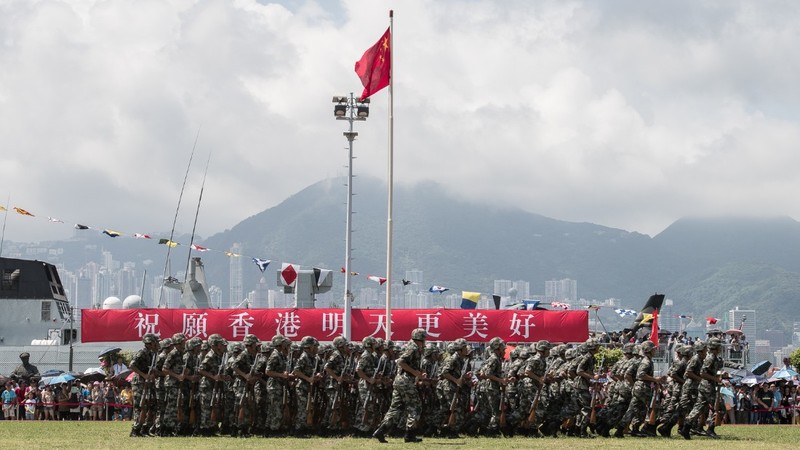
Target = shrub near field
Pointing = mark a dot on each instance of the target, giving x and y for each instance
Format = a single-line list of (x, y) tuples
[(57, 435)]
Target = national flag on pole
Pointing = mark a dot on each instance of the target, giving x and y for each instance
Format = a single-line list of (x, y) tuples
[(654, 328), (374, 67), (111, 233), (469, 300), (377, 279), (198, 248), (438, 289), (23, 212), (261, 263)]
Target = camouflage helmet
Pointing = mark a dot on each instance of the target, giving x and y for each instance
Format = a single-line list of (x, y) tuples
[(295, 347), (215, 339), (419, 334), (459, 343), (164, 343), (388, 344), (369, 342), (308, 342), (193, 343), (629, 348), (648, 346), (149, 338), (714, 344), (379, 343), (267, 347), (543, 345), (205, 346), (515, 353), (570, 353), (251, 339), (339, 341), (524, 352), (279, 340), (235, 347), (686, 350), (430, 349), (451, 348), (496, 343), (699, 346), (178, 338), (591, 344)]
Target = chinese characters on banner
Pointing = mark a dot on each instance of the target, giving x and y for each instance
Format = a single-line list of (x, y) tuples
[(325, 324)]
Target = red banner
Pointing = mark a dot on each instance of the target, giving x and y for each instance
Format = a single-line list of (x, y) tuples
[(115, 325)]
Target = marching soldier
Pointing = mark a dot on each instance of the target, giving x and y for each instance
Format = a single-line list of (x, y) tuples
[(619, 393), (642, 392), (534, 381), (230, 407), (212, 383), (260, 389), (143, 365), (305, 371), (487, 412), (246, 378), (691, 384), (669, 414), (405, 396), (335, 368), (455, 378), (367, 370), (427, 390), (166, 346), (712, 375), (278, 385), (585, 376), (189, 387), (173, 375)]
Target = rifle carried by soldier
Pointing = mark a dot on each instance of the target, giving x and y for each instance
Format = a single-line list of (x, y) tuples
[(193, 395), (286, 407), (370, 389), (148, 400), (248, 400), (652, 407), (311, 397), (451, 420), (180, 413)]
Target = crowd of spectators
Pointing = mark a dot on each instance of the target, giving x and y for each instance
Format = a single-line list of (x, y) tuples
[(66, 401)]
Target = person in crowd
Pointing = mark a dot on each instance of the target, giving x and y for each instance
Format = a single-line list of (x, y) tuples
[(764, 404), (9, 396), (30, 406), (743, 405), (119, 366), (48, 403), (126, 400)]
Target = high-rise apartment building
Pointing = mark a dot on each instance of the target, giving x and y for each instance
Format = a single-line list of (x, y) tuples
[(735, 318), (236, 290), (561, 290)]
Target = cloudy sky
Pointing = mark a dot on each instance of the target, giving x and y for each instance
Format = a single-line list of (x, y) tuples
[(628, 114)]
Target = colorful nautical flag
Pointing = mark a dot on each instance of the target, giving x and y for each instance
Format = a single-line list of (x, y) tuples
[(496, 299), (230, 254), (530, 304), (469, 300), (625, 312), (140, 236), (81, 227), (438, 289), (23, 212), (168, 243), (261, 263), (374, 67), (112, 233), (198, 248), (3, 208), (646, 318), (377, 279), (54, 220), (288, 274), (406, 282), (560, 305)]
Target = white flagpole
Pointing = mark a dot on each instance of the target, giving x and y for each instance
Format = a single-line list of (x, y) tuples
[(390, 181)]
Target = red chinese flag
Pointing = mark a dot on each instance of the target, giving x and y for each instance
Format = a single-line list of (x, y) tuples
[(654, 330), (375, 65)]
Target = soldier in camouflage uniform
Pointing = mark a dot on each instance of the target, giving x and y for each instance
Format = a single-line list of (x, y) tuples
[(143, 365), (306, 373), (230, 417), (455, 379), (619, 393), (246, 378), (585, 376), (166, 346), (534, 381), (260, 388), (642, 393), (669, 414), (405, 396), (174, 373), (212, 383), (625, 392), (278, 384), (189, 386), (712, 375), (569, 405), (367, 401), (487, 412), (691, 384), (387, 366), (429, 417), (338, 377), (552, 391), (514, 389)]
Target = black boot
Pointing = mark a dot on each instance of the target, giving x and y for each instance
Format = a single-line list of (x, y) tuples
[(411, 437), (710, 432), (648, 430), (620, 433), (135, 432), (380, 434), (685, 431), (666, 428)]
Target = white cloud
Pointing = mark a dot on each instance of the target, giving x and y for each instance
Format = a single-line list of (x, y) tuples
[(618, 113)]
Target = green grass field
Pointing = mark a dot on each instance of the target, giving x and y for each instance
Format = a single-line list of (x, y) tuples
[(89, 435)]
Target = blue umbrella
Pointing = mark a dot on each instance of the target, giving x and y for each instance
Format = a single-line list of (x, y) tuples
[(784, 374), (63, 378), (52, 373), (760, 368), (753, 380)]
